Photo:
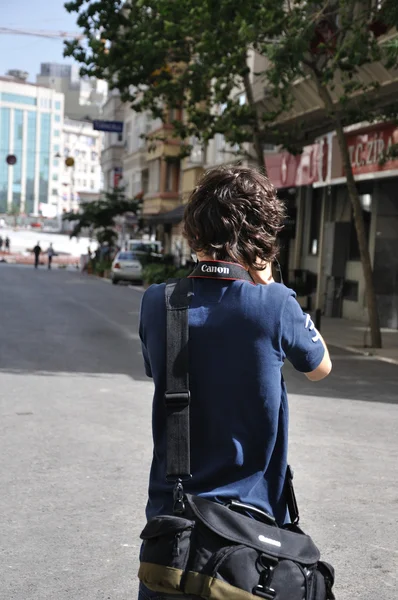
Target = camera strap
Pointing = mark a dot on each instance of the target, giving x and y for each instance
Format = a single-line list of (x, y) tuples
[(177, 397), (218, 269)]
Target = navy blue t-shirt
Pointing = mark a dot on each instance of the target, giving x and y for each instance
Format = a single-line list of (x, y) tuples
[(239, 337)]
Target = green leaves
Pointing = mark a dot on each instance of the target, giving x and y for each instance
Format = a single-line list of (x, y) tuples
[(192, 54), (99, 215)]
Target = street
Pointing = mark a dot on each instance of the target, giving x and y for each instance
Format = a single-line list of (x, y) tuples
[(75, 431)]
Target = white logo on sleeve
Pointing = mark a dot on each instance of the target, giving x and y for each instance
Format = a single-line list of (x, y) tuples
[(266, 540), (311, 327)]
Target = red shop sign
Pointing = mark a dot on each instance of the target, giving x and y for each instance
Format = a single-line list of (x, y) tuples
[(287, 170), (367, 149)]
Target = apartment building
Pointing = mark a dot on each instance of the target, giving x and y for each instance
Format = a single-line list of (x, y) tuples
[(31, 124)]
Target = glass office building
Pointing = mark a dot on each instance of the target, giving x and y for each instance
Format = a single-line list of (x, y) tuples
[(31, 124)]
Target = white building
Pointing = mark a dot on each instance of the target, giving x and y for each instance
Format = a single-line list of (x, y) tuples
[(113, 143), (83, 97), (31, 123), (82, 181)]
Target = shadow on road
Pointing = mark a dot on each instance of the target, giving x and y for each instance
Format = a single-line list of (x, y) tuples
[(353, 377), (63, 322)]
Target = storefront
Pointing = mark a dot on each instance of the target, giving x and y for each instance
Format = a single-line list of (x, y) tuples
[(329, 248)]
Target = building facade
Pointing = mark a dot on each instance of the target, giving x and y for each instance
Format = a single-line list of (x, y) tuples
[(113, 144), (31, 124), (324, 261), (83, 180), (84, 97)]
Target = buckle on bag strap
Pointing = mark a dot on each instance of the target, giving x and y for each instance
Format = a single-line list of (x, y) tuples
[(177, 400), (178, 497), (263, 588)]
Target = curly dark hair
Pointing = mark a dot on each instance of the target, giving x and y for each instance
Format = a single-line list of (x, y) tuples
[(234, 214)]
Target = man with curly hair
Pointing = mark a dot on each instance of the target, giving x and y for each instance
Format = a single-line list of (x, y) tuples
[(240, 332)]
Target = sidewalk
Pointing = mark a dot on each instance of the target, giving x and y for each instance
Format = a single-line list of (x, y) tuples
[(355, 336), (27, 258)]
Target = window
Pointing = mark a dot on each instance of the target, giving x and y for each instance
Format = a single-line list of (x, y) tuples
[(57, 118), (350, 290), (45, 103), (31, 161), (169, 177), (55, 162), (54, 192), (56, 133), (92, 185), (17, 169), (57, 105), (44, 160), (154, 176), (18, 99), (94, 155), (127, 139), (55, 177), (56, 148), (85, 183), (92, 169), (315, 222), (83, 154), (366, 203)]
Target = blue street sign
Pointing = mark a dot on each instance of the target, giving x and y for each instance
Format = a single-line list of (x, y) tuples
[(113, 126)]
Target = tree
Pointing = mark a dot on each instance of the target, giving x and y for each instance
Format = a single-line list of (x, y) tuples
[(99, 215), (189, 55), (331, 41)]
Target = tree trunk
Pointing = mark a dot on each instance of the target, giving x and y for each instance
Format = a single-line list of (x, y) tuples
[(258, 147), (370, 292)]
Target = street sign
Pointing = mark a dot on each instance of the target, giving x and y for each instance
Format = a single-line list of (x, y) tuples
[(11, 159), (112, 126)]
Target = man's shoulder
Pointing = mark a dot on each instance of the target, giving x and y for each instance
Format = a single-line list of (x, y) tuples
[(154, 295), (274, 292)]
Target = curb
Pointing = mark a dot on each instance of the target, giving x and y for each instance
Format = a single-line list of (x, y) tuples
[(364, 352)]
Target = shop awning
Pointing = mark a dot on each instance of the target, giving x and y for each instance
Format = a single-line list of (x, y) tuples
[(172, 217)]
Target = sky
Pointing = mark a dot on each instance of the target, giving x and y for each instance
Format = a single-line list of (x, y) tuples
[(25, 52)]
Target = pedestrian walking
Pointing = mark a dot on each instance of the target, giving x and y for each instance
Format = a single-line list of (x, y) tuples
[(37, 252), (1, 243), (50, 254), (7, 244), (220, 415)]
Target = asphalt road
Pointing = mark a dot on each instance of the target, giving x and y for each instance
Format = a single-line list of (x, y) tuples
[(75, 448)]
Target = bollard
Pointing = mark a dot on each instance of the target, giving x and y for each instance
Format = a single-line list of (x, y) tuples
[(318, 319)]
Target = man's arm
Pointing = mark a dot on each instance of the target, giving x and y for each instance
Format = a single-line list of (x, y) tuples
[(324, 368), (302, 344)]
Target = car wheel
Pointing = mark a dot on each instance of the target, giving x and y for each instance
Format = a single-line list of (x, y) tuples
[(115, 281)]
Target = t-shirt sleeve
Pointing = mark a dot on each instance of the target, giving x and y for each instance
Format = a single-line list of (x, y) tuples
[(301, 342), (147, 364)]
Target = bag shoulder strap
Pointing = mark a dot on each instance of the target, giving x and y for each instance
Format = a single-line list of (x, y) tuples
[(178, 295)]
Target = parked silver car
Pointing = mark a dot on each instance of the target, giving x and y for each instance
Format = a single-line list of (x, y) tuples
[(126, 267)]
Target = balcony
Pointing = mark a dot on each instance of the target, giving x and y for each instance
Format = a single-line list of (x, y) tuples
[(112, 156), (160, 202), (163, 145)]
